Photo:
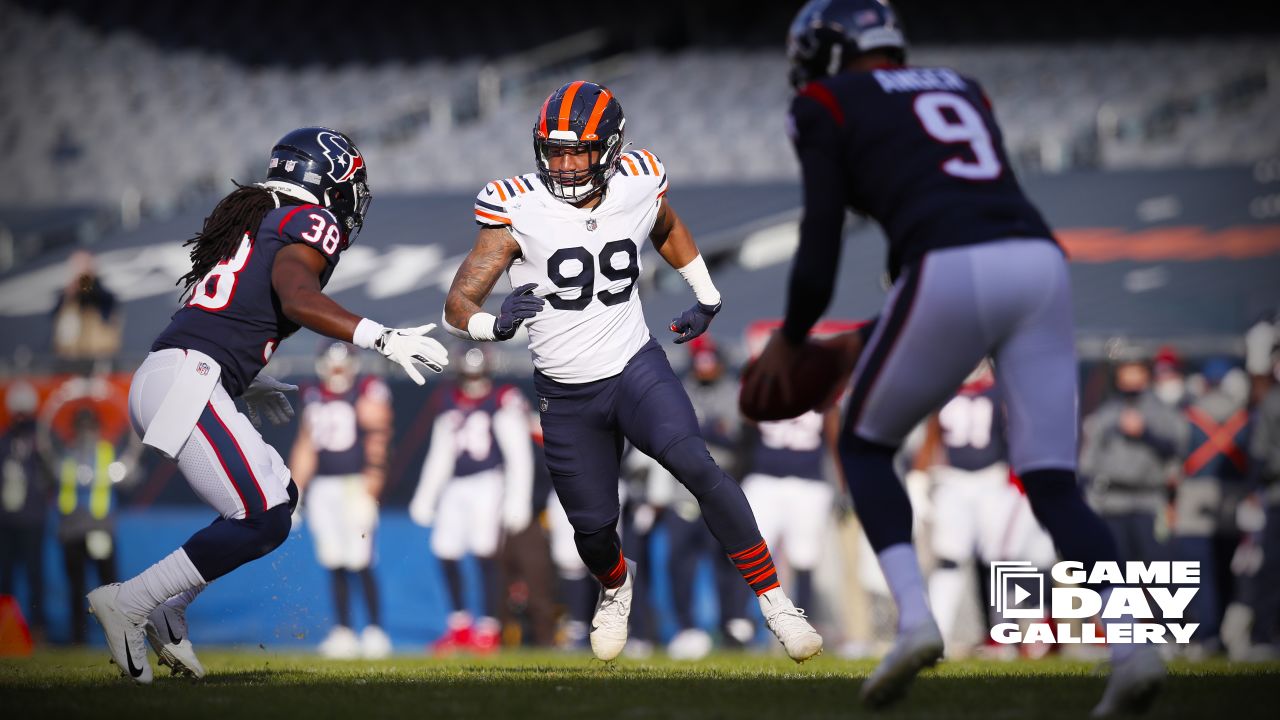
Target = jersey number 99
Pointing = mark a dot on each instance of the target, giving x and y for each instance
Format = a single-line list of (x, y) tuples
[(585, 279)]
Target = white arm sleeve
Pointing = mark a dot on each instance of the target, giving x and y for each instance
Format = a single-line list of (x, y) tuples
[(435, 472), (511, 426)]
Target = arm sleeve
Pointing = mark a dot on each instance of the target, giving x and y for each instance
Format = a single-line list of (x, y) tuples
[(435, 472), (511, 427), (816, 133)]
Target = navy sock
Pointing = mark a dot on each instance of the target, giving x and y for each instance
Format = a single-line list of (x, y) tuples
[(878, 496), (227, 544), (371, 600), (1077, 531), (490, 574), (453, 580), (341, 596), (601, 552), (803, 597)]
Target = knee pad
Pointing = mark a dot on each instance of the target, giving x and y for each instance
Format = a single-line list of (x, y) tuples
[(227, 544), (690, 462), (273, 526)]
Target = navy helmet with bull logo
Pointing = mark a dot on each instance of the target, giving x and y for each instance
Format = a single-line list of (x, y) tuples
[(327, 169)]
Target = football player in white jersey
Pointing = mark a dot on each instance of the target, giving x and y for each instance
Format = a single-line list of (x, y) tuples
[(569, 237)]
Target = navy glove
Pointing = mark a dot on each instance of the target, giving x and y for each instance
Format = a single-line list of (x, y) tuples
[(694, 321), (519, 306)]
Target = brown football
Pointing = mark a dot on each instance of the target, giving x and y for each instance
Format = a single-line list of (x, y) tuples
[(822, 367)]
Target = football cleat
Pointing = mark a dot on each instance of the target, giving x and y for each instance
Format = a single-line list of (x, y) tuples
[(689, 644), (126, 639), (609, 624), (458, 635), (374, 643), (340, 644), (1134, 684), (487, 636), (913, 651), (790, 625), (167, 630)]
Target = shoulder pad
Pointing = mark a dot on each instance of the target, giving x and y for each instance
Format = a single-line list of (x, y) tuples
[(644, 164), (491, 201), (308, 224)]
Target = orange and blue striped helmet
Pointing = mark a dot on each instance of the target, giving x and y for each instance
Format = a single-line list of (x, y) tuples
[(585, 117)]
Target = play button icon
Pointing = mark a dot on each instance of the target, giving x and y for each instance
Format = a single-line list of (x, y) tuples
[(1019, 594)]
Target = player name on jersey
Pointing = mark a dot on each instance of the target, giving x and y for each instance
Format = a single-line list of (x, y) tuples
[(918, 79)]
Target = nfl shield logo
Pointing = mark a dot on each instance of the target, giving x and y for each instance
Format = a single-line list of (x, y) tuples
[(591, 224), (542, 404), (202, 369)]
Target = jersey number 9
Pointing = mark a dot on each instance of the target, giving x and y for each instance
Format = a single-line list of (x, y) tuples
[(960, 122), (585, 279)]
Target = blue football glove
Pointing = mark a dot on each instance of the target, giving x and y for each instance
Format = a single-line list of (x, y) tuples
[(694, 321), (519, 306)]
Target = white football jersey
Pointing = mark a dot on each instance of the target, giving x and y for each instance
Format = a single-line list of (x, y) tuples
[(586, 263)]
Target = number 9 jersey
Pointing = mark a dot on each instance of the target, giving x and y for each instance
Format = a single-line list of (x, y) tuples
[(585, 261), (233, 314)]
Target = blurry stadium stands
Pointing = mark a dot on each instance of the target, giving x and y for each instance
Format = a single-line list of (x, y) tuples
[(117, 120)]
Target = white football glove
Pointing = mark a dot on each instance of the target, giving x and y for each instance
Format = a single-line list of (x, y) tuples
[(409, 345), (265, 396)]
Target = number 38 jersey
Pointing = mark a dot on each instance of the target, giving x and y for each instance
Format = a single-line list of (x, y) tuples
[(234, 315), (918, 149), (585, 262)]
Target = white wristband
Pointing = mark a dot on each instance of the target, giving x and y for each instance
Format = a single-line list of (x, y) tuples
[(366, 334), (480, 327), (695, 273)]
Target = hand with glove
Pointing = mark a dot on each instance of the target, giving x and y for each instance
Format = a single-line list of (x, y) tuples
[(517, 307), (265, 396), (694, 321), (407, 346)]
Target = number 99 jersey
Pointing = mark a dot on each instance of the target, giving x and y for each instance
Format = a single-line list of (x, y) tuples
[(585, 262), (233, 314), (919, 150)]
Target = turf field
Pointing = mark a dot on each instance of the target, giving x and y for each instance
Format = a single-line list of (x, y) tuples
[(62, 684)]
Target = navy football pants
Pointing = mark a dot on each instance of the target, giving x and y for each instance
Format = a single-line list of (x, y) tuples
[(584, 426)]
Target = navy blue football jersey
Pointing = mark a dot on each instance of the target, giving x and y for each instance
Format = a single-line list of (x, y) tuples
[(471, 421), (335, 430), (791, 448), (917, 149), (233, 314), (973, 429)]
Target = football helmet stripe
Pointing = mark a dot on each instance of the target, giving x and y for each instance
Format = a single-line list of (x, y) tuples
[(566, 105), (602, 101)]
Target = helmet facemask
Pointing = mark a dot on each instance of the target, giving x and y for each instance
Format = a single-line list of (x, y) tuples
[(577, 186)]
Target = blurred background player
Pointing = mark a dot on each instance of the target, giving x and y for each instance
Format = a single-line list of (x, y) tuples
[(1264, 451), (977, 511), (26, 476), (476, 483), (1129, 449), (339, 461)]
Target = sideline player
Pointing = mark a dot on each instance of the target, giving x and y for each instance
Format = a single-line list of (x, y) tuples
[(976, 272), (258, 270), (569, 237), (339, 461), (476, 482)]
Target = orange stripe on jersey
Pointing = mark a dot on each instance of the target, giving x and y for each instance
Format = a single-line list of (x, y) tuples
[(566, 105), (491, 216), (519, 188), (602, 101), (653, 161), (498, 187), (542, 124), (631, 164)]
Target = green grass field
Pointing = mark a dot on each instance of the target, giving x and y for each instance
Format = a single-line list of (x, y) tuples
[(244, 684)]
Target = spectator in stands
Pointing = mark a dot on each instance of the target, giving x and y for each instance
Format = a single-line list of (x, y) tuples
[(87, 321), (1128, 446), (1170, 383), (1209, 493), (86, 504), (25, 478), (1264, 450)]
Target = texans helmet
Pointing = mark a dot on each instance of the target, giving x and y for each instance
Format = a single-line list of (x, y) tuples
[(327, 169), (583, 116), (827, 34)]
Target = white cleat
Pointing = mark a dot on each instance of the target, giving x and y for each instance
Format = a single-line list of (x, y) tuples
[(690, 644), (914, 650), (167, 630), (374, 643), (609, 624), (1134, 684), (126, 639), (790, 625), (340, 644)]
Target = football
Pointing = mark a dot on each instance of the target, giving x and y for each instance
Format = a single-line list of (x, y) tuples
[(822, 368)]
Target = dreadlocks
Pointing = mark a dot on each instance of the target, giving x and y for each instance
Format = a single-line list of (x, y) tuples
[(236, 214)]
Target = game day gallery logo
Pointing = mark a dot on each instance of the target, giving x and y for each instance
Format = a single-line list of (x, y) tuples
[(1147, 602)]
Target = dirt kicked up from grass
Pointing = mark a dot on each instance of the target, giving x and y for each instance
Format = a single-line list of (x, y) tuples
[(251, 684)]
